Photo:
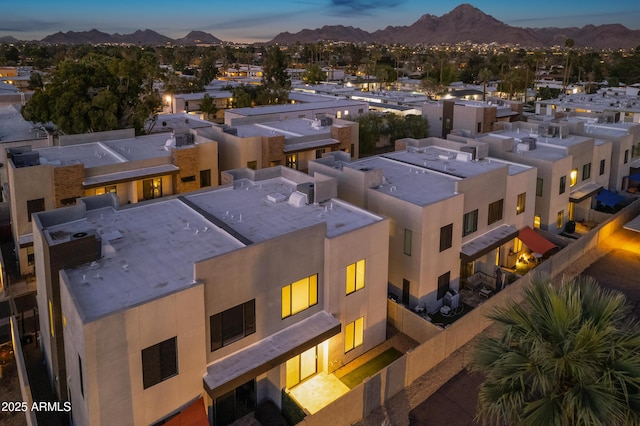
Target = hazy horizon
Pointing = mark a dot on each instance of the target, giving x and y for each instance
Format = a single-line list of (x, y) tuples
[(259, 21)]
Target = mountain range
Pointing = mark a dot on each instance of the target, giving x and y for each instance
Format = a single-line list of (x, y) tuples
[(465, 23)]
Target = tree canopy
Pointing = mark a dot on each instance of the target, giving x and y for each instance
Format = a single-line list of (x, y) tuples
[(568, 355), (97, 93)]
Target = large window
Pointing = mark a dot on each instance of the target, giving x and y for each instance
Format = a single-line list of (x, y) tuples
[(355, 276), (446, 237), (407, 241), (233, 324), (443, 284), (354, 334), (521, 203), (539, 184), (586, 171), (159, 362), (34, 206), (470, 223), (563, 184), (495, 211), (151, 188), (300, 295)]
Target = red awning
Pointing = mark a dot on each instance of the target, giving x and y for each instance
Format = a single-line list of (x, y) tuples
[(536, 242), (193, 415)]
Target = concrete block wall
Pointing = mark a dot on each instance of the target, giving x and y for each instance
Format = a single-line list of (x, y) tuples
[(187, 159)]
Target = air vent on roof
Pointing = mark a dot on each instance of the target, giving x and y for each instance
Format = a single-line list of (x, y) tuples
[(276, 197), (79, 235)]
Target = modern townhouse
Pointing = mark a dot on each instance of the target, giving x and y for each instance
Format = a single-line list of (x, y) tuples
[(222, 298)]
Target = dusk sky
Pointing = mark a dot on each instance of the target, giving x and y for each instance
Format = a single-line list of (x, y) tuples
[(254, 20)]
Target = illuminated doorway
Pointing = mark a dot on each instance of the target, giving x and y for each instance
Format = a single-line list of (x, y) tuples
[(302, 366)]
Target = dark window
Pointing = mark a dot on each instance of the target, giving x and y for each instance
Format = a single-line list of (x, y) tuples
[(159, 362), (253, 165), (539, 183), (470, 223), (479, 127), (626, 156), (233, 324), (495, 211), (80, 376), (31, 260), (68, 201), (319, 153), (446, 237), (563, 184), (586, 171), (205, 178), (602, 163), (443, 284), (35, 206), (235, 404), (191, 178), (407, 242)]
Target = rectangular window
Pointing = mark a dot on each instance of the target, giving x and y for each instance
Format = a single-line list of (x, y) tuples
[(34, 206), (291, 161), (186, 179), (573, 177), (151, 188), (539, 183), (233, 324), (31, 260), (517, 245), (353, 334), (626, 156), (320, 153), (205, 178), (521, 203), (470, 223), (446, 237), (253, 165), (602, 164), (407, 241), (586, 171), (300, 295), (563, 184), (443, 284), (80, 376), (495, 211), (355, 276), (159, 362), (536, 221), (560, 219)]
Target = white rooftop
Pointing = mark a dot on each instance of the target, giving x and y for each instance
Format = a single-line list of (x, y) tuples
[(13, 127), (277, 109)]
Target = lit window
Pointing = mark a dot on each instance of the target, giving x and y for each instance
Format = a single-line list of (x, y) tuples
[(300, 295), (573, 177), (51, 327), (560, 219), (355, 276), (521, 203), (517, 245), (536, 221), (354, 334)]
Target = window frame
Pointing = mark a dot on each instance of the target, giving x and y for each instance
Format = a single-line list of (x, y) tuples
[(586, 171), (355, 277), (470, 218), (521, 203), (353, 335), (539, 187), (35, 206), (446, 237), (288, 291), (408, 240), (603, 163), (217, 323), (495, 212), (163, 356), (442, 287), (563, 184)]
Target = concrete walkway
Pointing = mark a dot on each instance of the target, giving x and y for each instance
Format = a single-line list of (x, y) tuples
[(447, 394)]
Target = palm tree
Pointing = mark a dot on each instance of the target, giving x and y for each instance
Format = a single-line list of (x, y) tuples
[(484, 75), (568, 355)]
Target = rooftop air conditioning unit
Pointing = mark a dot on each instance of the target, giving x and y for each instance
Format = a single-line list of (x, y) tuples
[(452, 299)]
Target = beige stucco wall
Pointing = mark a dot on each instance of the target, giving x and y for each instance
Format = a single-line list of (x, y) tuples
[(111, 350)]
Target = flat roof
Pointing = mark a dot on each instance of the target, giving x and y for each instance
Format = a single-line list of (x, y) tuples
[(13, 127), (246, 208), (148, 252), (294, 127), (278, 109)]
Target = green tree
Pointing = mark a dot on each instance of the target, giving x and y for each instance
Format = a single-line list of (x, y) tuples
[(96, 93), (274, 75), (567, 355), (208, 107), (314, 75), (484, 76)]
